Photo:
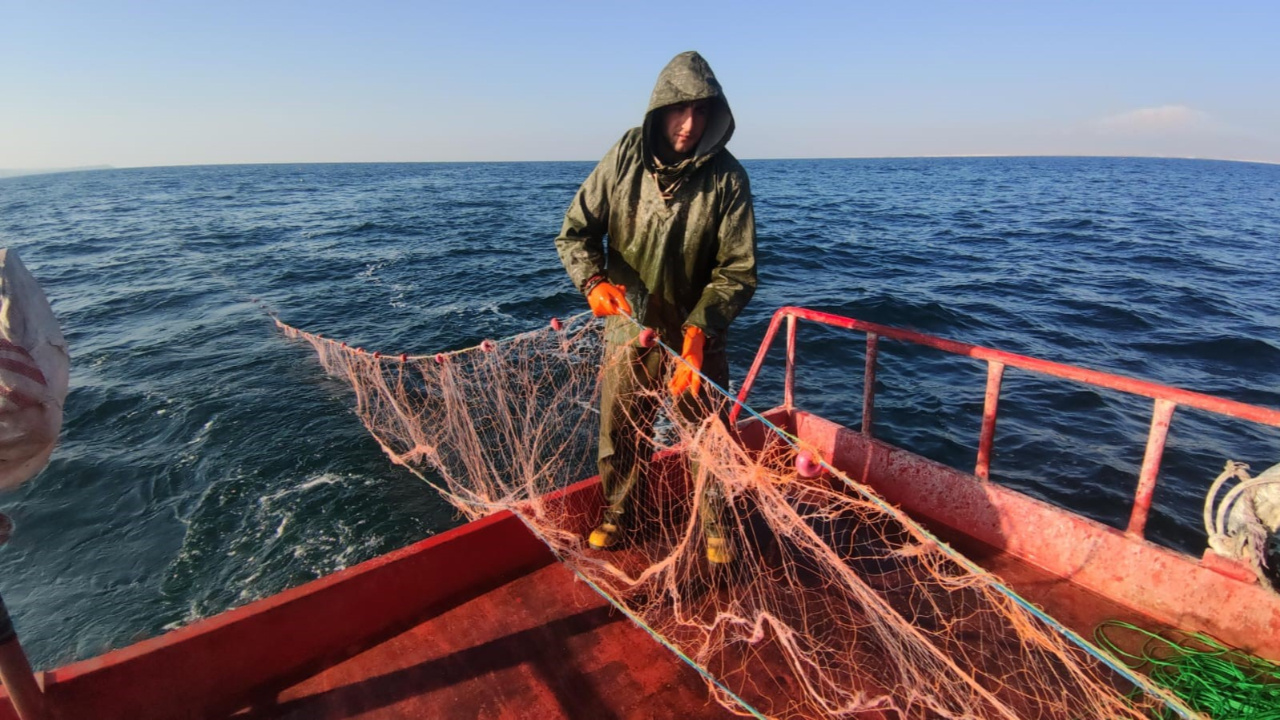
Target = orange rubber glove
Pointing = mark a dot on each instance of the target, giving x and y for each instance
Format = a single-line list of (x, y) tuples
[(608, 299), (687, 375)]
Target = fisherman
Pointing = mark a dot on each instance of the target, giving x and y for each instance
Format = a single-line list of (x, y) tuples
[(663, 231)]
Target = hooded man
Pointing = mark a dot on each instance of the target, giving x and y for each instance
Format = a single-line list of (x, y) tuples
[(675, 207)]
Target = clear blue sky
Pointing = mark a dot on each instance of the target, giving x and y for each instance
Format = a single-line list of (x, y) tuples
[(137, 84)]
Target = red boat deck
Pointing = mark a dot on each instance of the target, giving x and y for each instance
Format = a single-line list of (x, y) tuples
[(1077, 608), (546, 645), (475, 623), (542, 646)]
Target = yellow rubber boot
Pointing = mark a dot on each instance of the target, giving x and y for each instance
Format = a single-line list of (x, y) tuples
[(604, 537), (719, 551)]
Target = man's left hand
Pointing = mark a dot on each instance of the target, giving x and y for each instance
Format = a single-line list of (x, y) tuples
[(688, 376)]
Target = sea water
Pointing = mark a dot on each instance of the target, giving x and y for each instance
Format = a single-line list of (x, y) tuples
[(206, 461)]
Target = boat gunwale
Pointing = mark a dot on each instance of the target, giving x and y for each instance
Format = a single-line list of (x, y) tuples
[(1172, 587)]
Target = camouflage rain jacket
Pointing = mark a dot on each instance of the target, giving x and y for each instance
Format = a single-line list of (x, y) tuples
[(681, 238)]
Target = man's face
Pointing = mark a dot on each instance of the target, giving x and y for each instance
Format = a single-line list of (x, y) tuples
[(684, 124)]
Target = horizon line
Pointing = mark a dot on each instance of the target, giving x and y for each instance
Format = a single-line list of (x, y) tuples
[(6, 173)]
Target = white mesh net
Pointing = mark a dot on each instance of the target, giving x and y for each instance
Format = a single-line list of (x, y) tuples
[(836, 604)]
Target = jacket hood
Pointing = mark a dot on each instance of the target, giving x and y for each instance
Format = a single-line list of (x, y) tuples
[(686, 78)]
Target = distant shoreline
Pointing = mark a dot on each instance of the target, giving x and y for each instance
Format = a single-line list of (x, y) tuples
[(11, 173)]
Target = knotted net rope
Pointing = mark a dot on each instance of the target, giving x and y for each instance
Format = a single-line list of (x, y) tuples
[(837, 605)]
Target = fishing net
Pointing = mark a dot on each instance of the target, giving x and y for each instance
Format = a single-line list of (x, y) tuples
[(837, 605), (1219, 681)]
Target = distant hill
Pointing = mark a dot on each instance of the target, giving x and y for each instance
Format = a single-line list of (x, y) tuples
[(45, 171)]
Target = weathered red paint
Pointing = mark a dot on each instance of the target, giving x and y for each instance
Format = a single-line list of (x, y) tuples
[(541, 646), (1161, 416), (990, 407), (869, 384), (1244, 411), (1168, 587), (1166, 397), (1233, 569), (789, 386), (217, 665), (765, 344), (323, 639)]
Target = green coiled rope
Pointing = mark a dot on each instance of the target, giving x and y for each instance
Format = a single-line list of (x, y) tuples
[(1221, 682)]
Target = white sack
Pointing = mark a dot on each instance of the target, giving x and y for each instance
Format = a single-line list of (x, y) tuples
[(34, 369)]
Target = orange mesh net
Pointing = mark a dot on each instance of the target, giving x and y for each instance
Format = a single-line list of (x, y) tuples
[(836, 604)]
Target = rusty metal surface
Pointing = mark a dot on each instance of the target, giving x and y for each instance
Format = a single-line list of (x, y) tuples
[(542, 646), (789, 386), (1167, 398), (869, 384), (1166, 587), (1161, 416), (1244, 411), (990, 408), (214, 666)]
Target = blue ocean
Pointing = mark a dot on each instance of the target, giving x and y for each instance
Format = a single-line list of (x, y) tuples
[(206, 461)]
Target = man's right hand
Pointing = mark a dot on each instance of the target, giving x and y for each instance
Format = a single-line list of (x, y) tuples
[(608, 299)]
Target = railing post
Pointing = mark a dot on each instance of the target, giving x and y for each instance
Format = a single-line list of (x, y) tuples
[(990, 404), (774, 323), (869, 383), (1160, 418), (789, 389)]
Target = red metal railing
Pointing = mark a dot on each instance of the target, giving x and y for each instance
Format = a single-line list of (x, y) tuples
[(1166, 398)]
